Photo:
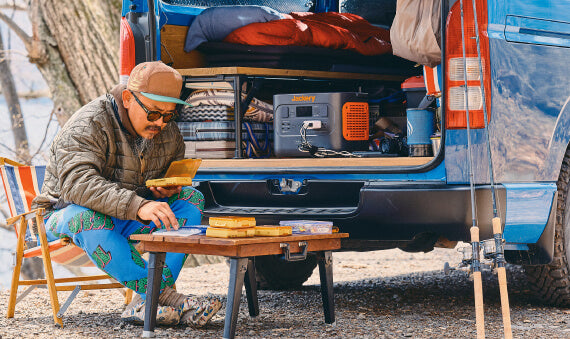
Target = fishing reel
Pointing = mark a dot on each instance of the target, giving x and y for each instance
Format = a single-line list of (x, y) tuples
[(489, 256)]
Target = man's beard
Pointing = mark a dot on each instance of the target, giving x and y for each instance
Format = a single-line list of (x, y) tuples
[(143, 144)]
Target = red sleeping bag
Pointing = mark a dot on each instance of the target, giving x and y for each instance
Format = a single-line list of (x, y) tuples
[(329, 30)]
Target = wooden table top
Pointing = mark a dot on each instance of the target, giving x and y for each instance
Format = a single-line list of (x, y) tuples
[(236, 247), (202, 239)]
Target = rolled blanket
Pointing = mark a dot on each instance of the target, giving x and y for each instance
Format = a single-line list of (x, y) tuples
[(257, 111), (215, 23), (206, 113)]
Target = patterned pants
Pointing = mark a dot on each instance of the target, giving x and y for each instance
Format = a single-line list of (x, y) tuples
[(106, 239)]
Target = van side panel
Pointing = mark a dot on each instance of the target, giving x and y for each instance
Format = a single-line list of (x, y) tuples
[(531, 85)]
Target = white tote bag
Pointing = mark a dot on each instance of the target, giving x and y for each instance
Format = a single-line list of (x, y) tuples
[(416, 31)]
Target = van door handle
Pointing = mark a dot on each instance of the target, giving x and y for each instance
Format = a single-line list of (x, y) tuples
[(537, 31)]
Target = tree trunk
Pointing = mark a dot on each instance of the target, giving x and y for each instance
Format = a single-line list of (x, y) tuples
[(75, 45), (14, 108)]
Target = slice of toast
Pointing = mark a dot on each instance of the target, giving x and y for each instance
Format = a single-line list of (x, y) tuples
[(174, 181), (232, 222), (230, 233), (272, 231)]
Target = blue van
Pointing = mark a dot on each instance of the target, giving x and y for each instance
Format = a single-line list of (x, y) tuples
[(392, 194)]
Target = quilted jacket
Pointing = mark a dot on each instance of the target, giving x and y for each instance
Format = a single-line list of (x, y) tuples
[(94, 161)]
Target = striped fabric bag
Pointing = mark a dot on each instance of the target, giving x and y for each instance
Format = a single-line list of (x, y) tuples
[(21, 185), (432, 78)]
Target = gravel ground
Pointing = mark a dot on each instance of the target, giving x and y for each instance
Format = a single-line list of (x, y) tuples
[(381, 294)]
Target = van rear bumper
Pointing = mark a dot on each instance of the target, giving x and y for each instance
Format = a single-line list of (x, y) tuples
[(399, 214)]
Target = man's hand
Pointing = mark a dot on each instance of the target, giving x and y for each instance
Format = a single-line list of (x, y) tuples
[(156, 212), (165, 192)]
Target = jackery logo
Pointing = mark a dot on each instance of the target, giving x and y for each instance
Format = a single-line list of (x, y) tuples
[(310, 98)]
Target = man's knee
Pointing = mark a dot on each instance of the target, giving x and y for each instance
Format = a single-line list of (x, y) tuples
[(189, 195)]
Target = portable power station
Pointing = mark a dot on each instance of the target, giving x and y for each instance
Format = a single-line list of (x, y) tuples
[(331, 121)]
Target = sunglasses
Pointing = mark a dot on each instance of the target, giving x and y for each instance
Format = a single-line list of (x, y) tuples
[(155, 115)]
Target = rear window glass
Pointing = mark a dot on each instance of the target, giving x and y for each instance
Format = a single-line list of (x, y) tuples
[(283, 6), (377, 12)]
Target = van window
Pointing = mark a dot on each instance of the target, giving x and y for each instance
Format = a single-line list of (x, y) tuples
[(283, 6), (377, 12)]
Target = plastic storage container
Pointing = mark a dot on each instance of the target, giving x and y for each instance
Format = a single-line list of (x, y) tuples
[(309, 226), (415, 90), (179, 173)]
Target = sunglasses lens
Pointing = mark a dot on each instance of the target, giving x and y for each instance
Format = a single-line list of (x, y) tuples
[(153, 116), (167, 117)]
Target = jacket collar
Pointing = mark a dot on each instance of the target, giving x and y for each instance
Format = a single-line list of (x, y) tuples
[(117, 93)]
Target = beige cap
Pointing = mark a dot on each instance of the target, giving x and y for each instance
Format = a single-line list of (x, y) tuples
[(156, 81)]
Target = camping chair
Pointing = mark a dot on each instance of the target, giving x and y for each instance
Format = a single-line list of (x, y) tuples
[(21, 184)]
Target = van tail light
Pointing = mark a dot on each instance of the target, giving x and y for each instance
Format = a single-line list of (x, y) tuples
[(126, 51), (454, 79)]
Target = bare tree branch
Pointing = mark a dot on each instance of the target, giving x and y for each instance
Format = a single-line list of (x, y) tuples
[(14, 7), (45, 134), (8, 148), (3, 210), (27, 39), (8, 53), (17, 5), (5, 213)]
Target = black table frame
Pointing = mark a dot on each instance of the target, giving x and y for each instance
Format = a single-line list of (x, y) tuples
[(242, 272)]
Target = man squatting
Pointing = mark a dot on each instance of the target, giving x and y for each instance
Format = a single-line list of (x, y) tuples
[(94, 188)]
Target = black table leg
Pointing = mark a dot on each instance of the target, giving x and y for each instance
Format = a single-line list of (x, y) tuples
[(238, 267), (326, 274), (251, 289), (155, 265)]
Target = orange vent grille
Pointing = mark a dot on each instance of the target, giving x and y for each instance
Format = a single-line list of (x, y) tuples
[(355, 121)]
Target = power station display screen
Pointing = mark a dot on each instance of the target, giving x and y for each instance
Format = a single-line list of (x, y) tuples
[(304, 111)]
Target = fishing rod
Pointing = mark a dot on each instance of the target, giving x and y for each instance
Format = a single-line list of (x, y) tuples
[(475, 244), (499, 254)]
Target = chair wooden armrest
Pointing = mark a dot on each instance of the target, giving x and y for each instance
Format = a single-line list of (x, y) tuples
[(27, 216), (41, 227)]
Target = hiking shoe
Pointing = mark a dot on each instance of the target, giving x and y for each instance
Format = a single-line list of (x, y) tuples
[(165, 315), (199, 312), (191, 307)]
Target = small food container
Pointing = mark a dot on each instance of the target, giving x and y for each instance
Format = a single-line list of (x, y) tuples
[(435, 143), (308, 226), (179, 173), (201, 228)]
